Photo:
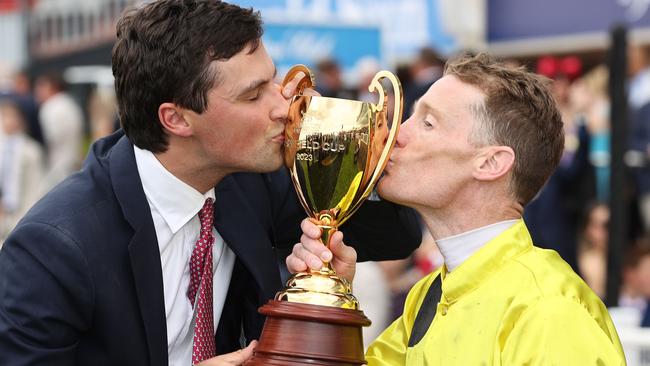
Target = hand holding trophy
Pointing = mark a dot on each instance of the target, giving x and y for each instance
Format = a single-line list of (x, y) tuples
[(335, 150)]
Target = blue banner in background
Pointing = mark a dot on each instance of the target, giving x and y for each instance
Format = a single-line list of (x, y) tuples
[(392, 31), (290, 44), (521, 19)]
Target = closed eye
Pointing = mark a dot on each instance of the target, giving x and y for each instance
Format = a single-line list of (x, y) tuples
[(253, 98)]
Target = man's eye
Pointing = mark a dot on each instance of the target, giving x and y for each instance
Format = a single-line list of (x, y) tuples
[(253, 95)]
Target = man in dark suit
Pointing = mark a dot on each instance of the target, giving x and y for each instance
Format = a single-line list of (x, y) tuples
[(108, 268)]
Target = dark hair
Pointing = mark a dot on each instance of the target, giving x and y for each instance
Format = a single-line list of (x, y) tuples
[(164, 52), (520, 112), (328, 65), (54, 79), (639, 250), (428, 56), (11, 103)]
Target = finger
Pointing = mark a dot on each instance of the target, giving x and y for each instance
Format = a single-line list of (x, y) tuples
[(233, 358), (340, 250), (312, 252), (295, 264), (310, 229), (301, 257), (289, 89), (345, 257), (244, 354), (310, 91), (316, 247)]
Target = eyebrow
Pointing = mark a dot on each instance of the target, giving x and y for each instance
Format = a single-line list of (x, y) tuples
[(256, 84)]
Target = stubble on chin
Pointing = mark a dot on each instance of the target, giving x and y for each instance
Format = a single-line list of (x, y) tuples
[(383, 188), (275, 159)]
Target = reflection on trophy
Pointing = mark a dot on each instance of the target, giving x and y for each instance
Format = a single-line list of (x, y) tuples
[(335, 150)]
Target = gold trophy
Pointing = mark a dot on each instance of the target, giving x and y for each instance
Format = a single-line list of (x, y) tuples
[(335, 150)]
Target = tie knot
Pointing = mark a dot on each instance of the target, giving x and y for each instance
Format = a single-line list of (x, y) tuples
[(206, 215)]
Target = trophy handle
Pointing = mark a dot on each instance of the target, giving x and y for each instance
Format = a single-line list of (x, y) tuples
[(397, 121), (304, 83)]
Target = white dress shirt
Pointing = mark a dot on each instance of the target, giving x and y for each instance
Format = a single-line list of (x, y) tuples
[(174, 208), (456, 249)]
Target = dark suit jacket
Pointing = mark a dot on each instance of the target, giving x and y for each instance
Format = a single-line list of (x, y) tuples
[(81, 280)]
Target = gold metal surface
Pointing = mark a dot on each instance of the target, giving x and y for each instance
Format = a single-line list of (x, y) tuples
[(336, 150)]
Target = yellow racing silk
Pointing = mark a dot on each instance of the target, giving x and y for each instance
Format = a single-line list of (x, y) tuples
[(509, 304)]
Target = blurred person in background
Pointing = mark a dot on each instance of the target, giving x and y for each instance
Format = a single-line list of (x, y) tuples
[(590, 97), (639, 113), (635, 277), (642, 277), (366, 69), (553, 216), (61, 119), (634, 291), (102, 112), (480, 145), (425, 70), (638, 71), (403, 73), (329, 80), (592, 247), (21, 168), (161, 250), (20, 92)]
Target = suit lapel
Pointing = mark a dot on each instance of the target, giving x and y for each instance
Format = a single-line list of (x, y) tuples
[(143, 249), (240, 227)]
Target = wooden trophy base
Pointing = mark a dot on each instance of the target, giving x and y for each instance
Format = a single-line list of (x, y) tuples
[(298, 334)]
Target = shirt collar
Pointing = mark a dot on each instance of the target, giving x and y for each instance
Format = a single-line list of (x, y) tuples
[(176, 201), (456, 249), (485, 261)]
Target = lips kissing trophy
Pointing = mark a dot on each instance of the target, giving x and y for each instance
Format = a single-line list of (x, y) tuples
[(335, 150)]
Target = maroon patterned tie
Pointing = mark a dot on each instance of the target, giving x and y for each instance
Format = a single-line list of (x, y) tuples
[(201, 281)]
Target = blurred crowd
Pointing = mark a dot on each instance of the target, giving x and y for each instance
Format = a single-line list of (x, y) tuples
[(45, 132)]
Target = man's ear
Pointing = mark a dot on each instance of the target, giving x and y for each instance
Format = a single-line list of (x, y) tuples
[(493, 163), (172, 118)]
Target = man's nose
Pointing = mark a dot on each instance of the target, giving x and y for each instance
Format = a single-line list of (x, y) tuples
[(402, 134), (281, 105)]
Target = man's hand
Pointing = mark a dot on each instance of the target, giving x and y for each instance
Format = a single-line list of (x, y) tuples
[(311, 253), (234, 358), (289, 90)]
